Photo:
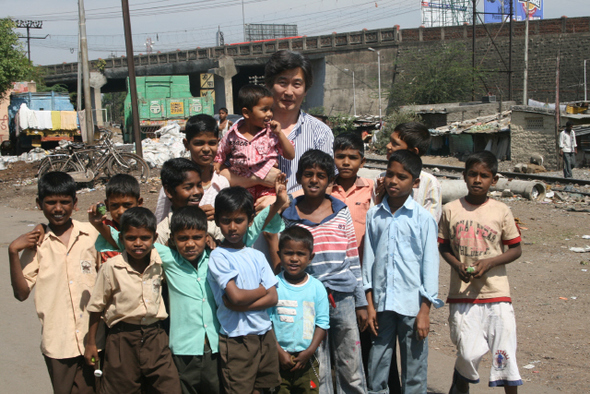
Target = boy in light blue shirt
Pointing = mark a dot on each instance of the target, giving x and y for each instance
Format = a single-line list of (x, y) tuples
[(400, 277)]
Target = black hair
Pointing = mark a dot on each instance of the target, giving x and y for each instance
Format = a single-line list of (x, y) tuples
[(122, 185), (138, 217), (349, 141), (198, 124), (173, 172), (316, 158), (415, 135), (409, 160), (250, 95), (484, 157), (188, 217), (224, 109), (297, 234), (569, 124), (232, 199), (56, 183), (287, 60)]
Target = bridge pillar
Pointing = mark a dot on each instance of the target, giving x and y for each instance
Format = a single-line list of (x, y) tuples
[(97, 81), (226, 70)]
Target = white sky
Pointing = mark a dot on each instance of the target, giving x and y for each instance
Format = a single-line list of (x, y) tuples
[(184, 24)]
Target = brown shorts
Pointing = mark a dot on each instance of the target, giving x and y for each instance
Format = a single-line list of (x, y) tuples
[(249, 362), (136, 358), (70, 375)]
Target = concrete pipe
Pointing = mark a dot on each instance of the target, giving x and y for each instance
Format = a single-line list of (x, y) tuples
[(453, 189)]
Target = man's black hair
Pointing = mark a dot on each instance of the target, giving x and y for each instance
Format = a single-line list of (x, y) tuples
[(409, 160), (122, 185), (316, 158), (174, 172), (250, 95), (415, 135), (287, 60), (198, 124), (484, 157), (138, 217), (232, 199), (569, 124), (349, 141), (56, 183), (188, 217), (297, 234), (224, 109)]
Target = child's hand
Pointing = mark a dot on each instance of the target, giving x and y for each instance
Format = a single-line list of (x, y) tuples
[(281, 191), (275, 127), (285, 360), (94, 217), (41, 229), (211, 242), (481, 267), (422, 325), (25, 241), (462, 271), (209, 211), (263, 202), (91, 354), (362, 318), (379, 190), (372, 321), (301, 360), (217, 167)]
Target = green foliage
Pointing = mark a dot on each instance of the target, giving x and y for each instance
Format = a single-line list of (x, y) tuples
[(14, 65), (100, 65), (441, 77), (114, 103), (317, 111), (399, 116), (341, 124), (37, 74)]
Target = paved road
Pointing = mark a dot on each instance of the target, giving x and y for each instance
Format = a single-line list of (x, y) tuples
[(22, 369)]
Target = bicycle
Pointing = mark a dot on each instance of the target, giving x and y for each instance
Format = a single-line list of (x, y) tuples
[(85, 163)]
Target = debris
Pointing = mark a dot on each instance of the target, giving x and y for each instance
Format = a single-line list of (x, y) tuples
[(529, 366), (586, 236), (563, 298), (580, 250), (550, 194), (574, 298), (507, 193)]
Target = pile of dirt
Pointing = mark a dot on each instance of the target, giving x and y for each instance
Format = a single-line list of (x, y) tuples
[(18, 172)]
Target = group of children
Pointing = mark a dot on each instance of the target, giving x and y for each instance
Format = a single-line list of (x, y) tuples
[(355, 256)]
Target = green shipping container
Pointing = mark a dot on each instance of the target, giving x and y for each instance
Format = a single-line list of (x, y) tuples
[(160, 99)]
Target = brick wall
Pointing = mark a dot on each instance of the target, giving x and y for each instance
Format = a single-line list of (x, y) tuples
[(533, 132)]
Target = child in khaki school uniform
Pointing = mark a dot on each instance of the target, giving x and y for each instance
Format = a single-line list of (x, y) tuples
[(128, 296), (61, 265)]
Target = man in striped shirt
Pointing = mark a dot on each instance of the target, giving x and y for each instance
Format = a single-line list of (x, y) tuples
[(336, 265)]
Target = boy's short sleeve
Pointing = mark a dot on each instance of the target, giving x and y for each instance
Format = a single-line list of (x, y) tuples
[(102, 291), (221, 270), (444, 235), (30, 266), (267, 277), (510, 233), (322, 308)]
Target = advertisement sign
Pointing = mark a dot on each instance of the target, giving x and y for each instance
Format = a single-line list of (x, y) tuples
[(495, 8)]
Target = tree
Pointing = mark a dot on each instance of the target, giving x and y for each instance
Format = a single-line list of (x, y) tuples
[(14, 65)]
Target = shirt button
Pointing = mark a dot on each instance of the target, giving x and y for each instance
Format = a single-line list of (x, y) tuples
[(77, 331), (198, 279), (81, 315), (204, 325), (203, 299), (143, 319)]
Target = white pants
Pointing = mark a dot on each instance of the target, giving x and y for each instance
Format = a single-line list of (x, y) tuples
[(479, 328)]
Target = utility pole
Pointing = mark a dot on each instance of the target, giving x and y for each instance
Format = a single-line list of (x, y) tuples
[(526, 57), (244, 22), (22, 24), (85, 74), (473, 52), (132, 82), (557, 113), (510, 52), (79, 77)]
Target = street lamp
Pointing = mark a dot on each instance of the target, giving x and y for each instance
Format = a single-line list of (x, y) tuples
[(379, 79), (353, 91)]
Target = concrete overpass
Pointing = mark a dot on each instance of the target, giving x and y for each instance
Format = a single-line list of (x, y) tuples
[(401, 50)]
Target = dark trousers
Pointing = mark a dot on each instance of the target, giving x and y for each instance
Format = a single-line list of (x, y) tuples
[(70, 375), (569, 162), (199, 374)]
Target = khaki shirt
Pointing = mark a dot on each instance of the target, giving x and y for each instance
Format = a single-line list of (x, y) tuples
[(124, 294), (63, 276)]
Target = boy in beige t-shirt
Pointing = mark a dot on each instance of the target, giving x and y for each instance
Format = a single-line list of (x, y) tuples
[(473, 233)]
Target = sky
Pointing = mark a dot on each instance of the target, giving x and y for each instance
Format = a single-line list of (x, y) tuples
[(185, 24)]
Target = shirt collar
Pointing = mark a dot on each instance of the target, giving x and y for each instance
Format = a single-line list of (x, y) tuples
[(409, 204), (123, 261), (358, 183), (76, 231), (291, 212)]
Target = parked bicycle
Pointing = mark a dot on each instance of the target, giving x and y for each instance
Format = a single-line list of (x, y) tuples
[(85, 163)]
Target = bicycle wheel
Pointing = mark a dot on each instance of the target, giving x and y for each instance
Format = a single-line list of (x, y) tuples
[(129, 163), (59, 164)]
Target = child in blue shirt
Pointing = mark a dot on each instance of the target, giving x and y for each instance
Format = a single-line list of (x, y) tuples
[(244, 287), (302, 315), (400, 277)]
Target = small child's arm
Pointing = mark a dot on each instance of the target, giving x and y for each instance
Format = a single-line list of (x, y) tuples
[(96, 219), (268, 300), (20, 286), (482, 266), (239, 296), (301, 360), (447, 254), (286, 145), (91, 351)]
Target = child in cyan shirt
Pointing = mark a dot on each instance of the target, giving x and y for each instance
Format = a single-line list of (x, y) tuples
[(478, 237), (253, 145), (302, 316)]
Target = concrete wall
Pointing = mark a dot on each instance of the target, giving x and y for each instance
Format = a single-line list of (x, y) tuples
[(533, 132), (458, 113)]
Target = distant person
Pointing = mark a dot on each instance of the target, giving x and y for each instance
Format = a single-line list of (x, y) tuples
[(568, 149), (478, 237), (224, 123), (254, 145)]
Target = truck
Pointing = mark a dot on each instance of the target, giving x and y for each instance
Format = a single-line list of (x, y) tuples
[(27, 138), (161, 99)]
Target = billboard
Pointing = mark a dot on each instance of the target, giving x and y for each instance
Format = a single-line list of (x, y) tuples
[(495, 8)]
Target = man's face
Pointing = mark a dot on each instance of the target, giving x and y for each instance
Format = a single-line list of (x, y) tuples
[(289, 90)]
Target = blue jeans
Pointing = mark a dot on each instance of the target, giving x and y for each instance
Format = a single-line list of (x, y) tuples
[(343, 344), (413, 354)]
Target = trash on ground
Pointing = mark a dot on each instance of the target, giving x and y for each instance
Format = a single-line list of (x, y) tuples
[(580, 250)]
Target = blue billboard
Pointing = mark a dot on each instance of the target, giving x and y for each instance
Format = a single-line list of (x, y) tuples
[(498, 10)]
